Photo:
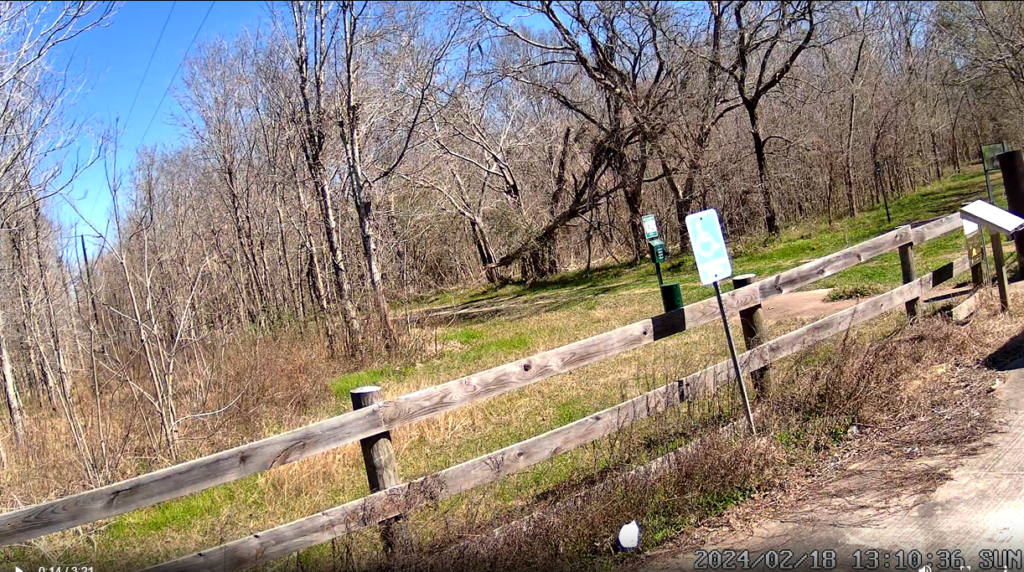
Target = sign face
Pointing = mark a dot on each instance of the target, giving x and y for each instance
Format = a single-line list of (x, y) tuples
[(992, 217), (650, 226), (975, 250), (708, 246), (988, 155)]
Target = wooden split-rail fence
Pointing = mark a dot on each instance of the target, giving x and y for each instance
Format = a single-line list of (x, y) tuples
[(373, 418)]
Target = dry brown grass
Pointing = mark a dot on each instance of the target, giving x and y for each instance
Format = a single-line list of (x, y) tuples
[(899, 392), (270, 385), (284, 388)]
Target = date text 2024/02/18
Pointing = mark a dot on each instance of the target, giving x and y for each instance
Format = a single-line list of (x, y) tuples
[(861, 559)]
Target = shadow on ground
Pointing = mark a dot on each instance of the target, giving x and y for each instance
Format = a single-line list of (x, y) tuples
[(1009, 356)]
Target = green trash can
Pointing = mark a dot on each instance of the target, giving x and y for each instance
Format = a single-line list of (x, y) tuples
[(671, 296)]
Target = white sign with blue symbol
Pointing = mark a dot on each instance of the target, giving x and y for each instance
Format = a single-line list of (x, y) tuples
[(708, 246)]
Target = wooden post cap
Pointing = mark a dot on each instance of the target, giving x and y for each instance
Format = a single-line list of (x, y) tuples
[(366, 389), (365, 396), (741, 280)]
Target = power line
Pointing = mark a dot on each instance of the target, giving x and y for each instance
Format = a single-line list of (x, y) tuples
[(176, 70), (150, 62)]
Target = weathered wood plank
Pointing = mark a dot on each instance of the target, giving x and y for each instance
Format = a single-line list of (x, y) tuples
[(703, 312), (964, 309), (374, 508), (937, 228), (908, 267), (180, 480), (386, 504), (479, 386), (827, 266), (755, 333)]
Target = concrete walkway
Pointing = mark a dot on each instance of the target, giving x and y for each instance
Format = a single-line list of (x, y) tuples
[(979, 512)]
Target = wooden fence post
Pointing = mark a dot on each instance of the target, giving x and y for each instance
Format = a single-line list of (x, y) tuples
[(755, 333), (978, 275), (381, 464), (1000, 264), (1011, 164), (909, 267)]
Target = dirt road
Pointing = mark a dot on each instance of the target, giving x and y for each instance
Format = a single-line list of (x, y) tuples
[(974, 521)]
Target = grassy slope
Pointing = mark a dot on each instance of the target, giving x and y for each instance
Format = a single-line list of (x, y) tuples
[(796, 245), (564, 309)]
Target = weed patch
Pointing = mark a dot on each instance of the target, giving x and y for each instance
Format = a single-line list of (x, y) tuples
[(853, 292)]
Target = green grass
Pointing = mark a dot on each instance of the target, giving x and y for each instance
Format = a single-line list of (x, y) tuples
[(346, 383), (500, 346), (464, 336), (182, 514), (568, 411), (796, 244)]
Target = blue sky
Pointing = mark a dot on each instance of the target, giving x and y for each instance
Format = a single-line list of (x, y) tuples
[(111, 61)]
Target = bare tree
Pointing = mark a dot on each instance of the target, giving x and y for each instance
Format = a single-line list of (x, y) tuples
[(316, 34), (620, 49), (385, 75), (767, 39), (33, 128)]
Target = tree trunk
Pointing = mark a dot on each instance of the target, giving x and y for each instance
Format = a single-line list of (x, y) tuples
[(830, 189), (364, 212), (540, 262), (246, 244), (14, 409), (634, 204), (316, 281), (39, 364), (341, 281), (683, 197), (313, 120), (58, 350), (851, 121), (771, 222), (293, 289), (636, 229), (483, 249), (935, 155)]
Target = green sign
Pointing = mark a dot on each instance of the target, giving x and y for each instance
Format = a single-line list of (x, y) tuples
[(989, 153), (658, 251), (650, 226)]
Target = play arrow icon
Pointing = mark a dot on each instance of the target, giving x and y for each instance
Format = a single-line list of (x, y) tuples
[(16, 569)]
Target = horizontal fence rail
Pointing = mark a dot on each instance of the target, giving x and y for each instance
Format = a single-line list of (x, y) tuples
[(372, 509), (245, 460)]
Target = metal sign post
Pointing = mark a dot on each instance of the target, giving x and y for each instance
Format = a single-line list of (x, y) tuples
[(735, 360), (713, 265), (671, 295)]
